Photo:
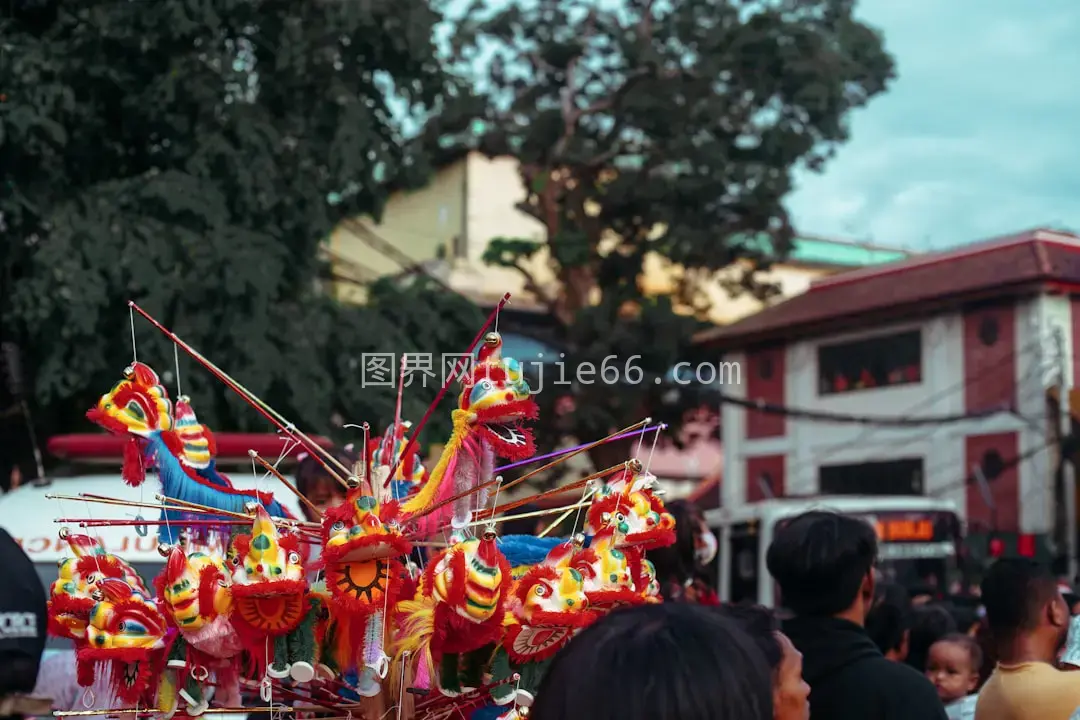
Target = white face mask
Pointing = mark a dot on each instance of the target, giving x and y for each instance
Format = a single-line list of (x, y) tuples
[(705, 550)]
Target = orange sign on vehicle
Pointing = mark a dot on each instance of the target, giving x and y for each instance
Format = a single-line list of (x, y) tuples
[(904, 530)]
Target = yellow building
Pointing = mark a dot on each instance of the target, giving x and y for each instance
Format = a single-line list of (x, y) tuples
[(446, 226)]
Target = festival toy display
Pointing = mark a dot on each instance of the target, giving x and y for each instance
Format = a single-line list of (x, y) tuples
[(420, 609)]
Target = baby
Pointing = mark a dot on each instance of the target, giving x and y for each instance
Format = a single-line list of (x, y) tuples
[(953, 666)]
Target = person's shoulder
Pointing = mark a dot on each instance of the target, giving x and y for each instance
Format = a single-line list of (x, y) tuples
[(896, 678)]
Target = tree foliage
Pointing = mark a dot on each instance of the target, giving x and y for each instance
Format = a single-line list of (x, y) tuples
[(665, 128), (192, 156)]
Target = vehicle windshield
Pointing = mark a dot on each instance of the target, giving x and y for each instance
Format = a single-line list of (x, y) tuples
[(934, 572)]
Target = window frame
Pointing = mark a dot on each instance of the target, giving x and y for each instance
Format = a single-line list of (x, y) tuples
[(907, 369)]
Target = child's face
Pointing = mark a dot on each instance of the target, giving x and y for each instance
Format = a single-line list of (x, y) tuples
[(949, 667)]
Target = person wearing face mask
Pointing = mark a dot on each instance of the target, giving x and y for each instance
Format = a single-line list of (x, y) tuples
[(683, 569), (1029, 622)]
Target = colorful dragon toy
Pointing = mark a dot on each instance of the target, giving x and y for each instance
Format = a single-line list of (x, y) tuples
[(495, 401), (384, 453), (196, 594), (71, 597), (457, 616), (175, 444), (610, 574), (361, 547), (547, 607), (272, 610), (128, 637), (633, 506)]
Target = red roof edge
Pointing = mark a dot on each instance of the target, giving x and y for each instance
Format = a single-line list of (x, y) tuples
[(857, 318), (230, 446), (874, 272)]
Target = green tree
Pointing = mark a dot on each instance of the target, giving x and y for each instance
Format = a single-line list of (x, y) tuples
[(653, 128), (191, 157)]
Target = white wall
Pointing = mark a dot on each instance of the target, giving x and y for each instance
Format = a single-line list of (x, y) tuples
[(809, 445)]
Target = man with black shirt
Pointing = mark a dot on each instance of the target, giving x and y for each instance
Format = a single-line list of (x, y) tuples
[(22, 622), (824, 565)]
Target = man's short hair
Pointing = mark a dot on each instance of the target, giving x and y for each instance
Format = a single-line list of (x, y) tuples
[(820, 559), (1014, 592)]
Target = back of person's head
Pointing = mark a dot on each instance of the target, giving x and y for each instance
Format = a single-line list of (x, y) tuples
[(889, 620), (823, 563), (1021, 596), (929, 624), (22, 619), (678, 563), (671, 661), (965, 616)]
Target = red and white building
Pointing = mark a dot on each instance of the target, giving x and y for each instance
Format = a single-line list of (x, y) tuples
[(961, 332)]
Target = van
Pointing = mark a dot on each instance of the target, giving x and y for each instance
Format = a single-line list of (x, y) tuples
[(31, 516)]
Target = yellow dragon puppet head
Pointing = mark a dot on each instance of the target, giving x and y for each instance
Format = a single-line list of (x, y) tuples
[(128, 634), (195, 590), (268, 581), (362, 545), (547, 606), (71, 597)]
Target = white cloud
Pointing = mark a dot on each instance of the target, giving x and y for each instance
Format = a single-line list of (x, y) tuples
[(977, 137)]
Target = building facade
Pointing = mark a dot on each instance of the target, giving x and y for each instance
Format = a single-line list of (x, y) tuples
[(972, 338), (447, 225)]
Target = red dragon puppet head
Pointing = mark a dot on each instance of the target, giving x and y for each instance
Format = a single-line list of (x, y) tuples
[(128, 635)]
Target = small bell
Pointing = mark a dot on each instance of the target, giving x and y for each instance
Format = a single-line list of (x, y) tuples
[(251, 508), (492, 339), (64, 533), (164, 549), (635, 465)]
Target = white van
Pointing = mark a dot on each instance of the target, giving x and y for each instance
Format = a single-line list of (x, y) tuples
[(30, 517)]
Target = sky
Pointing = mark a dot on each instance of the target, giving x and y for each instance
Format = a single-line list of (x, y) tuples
[(979, 135)]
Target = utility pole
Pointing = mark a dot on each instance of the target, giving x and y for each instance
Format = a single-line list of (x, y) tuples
[(1067, 469)]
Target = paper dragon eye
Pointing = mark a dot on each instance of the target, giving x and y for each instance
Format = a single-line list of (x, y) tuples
[(294, 558), (338, 526), (541, 591), (619, 517)]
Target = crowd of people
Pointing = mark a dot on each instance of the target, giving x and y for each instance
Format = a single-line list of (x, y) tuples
[(845, 647), (848, 647)]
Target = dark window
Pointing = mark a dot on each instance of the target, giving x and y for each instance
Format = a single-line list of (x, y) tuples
[(744, 548), (894, 477), (989, 331), (882, 361)]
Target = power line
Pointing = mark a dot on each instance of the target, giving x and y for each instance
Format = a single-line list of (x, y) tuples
[(876, 420)]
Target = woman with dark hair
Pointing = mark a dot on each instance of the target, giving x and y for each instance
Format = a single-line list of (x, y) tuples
[(315, 482), (683, 569), (671, 661), (791, 694)]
